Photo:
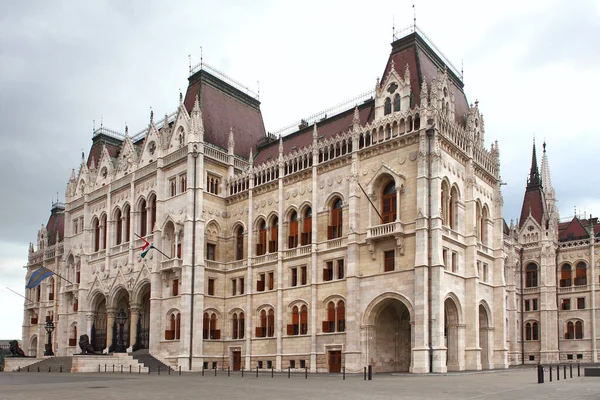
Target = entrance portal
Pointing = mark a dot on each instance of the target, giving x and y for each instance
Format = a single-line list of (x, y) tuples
[(391, 340)]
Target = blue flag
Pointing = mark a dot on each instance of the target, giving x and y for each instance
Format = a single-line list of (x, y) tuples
[(38, 276)]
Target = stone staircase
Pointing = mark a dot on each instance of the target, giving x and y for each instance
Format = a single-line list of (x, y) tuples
[(150, 362), (52, 364)]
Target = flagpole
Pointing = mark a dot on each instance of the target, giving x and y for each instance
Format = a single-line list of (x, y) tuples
[(368, 198), (152, 246), (19, 294), (54, 273)]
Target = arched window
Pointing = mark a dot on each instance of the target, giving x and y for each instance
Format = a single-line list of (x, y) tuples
[(119, 230), (531, 275), (334, 230), (239, 244), (178, 326), (388, 203), (209, 323), (483, 225), (170, 331), (336, 317), (387, 107), (143, 218), (294, 327), (127, 212), (273, 243), (397, 102), (532, 331), (445, 204), (51, 289), (578, 330), (581, 274), (565, 275), (306, 237), (104, 228), (237, 331), (96, 227), (266, 327), (261, 245), (478, 221), (73, 336), (152, 207), (293, 228), (570, 333), (453, 211)]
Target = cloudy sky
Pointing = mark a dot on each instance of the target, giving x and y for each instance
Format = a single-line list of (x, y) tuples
[(534, 67)]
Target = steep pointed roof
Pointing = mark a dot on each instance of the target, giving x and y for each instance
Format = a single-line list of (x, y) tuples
[(56, 223), (534, 201), (224, 107), (546, 180), (575, 229)]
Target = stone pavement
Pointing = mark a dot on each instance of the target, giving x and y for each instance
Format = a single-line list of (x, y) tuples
[(511, 384)]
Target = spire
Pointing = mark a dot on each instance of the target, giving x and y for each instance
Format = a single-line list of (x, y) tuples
[(424, 94), (534, 174), (407, 74), (280, 146), (315, 133), (356, 118), (546, 181), (251, 158)]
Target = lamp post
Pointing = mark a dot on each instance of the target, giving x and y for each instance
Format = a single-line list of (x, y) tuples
[(121, 319), (49, 329)]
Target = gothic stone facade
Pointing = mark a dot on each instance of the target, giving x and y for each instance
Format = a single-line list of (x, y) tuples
[(371, 236)]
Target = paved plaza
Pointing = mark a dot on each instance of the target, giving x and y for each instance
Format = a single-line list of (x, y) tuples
[(512, 384)]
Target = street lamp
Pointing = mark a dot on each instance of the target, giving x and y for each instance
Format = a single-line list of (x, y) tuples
[(121, 319), (49, 329)]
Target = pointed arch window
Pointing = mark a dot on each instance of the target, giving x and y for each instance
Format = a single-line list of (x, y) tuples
[(453, 210), (531, 275), (266, 327), (127, 212), (336, 317), (397, 102), (532, 331), (237, 326), (387, 106), (565, 275), (293, 228), (334, 230), (239, 244), (96, 227), (103, 229), (119, 230), (581, 274), (273, 243), (388, 203), (306, 237), (209, 323), (143, 218), (261, 246), (152, 207)]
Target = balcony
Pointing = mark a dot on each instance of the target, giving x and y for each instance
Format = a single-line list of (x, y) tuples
[(71, 287), (384, 230), (170, 265), (572, 289), (97, 255), (264, 259), (297, 251)]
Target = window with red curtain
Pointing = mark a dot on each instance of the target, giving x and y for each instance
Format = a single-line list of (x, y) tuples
[(303, 320), (262, 239), (273, 244), (341, 316), (178, 326), (578, 330), (239, 245), (581, 274), (306, 237), (329, 324), (334, 230), (565, 275), (293, 235), (388, 203), (271, 324)]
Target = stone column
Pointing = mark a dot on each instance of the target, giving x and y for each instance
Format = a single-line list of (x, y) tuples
[(110, 321), (90, 317), (135, 317)]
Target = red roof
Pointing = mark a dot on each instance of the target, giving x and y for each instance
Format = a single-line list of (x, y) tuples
[(56, 224), (225, 107), (578, 229), (327, 128), (533, 202)]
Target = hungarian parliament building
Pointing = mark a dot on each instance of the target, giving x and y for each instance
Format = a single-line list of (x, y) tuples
[(370, 234)]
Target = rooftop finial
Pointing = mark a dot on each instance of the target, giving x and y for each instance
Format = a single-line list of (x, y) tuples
[(180, 97), (414, 18), (534, 174), (151, 115), (315, 134), (126, 129)]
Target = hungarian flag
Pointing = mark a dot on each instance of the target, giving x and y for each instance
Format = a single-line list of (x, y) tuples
[(146, 248), (38, 276)]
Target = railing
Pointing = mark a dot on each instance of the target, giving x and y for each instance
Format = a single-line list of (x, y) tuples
[(216, 153), (243, 88), (141, 134), (239, 163), (170, 265), (119, 183), (145, 171), (571, 289), (237, 264), (388, 229), (213, 264), (120, 248), (334, 243), (97, 255), (264, 259), (297, 251), (175, 156), (574, 243), (531, 290), (308, 121)]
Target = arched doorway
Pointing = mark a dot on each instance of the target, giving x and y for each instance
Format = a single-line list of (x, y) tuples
[(121, 337), (390, 339), (142, 340), (451, 322), (33, 346), (98, 339), (484, 337)]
